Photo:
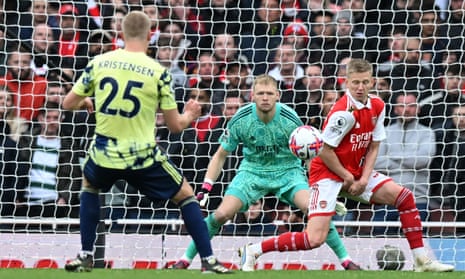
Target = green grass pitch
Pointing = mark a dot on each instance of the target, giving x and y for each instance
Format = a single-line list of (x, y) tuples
[(30, 273)]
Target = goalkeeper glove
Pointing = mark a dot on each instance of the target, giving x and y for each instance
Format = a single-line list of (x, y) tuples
[(202, 195), (341, 209)]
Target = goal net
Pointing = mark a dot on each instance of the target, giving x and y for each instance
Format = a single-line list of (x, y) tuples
[(213, 50)]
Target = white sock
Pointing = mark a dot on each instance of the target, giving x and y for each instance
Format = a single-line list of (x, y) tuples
[(256, 248), (419, 252)]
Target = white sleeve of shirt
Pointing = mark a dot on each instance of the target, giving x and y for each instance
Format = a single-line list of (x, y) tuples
[(339, 124), (379, 134)]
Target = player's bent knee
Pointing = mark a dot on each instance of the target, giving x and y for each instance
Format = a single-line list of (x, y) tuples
[(184, 192), (316, 240), (316, 237)]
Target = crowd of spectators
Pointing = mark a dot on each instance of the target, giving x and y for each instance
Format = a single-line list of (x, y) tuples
[(213, 49)]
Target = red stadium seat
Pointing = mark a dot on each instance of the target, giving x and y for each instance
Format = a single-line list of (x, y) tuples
[(328, 266), (268, 266), (11, 263), (294, 266), (46, 263), (143, 264)]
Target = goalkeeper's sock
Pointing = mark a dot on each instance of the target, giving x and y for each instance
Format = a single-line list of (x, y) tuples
[(213, 228), (89, 215), (290, 241), (196, 226), (335, 243), (410, 218)]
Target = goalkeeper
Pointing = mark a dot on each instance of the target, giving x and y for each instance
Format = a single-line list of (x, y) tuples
[(129, 87), (268, 166)]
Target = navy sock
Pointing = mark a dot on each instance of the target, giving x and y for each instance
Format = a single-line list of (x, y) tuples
[(89, 215), (197, 228)]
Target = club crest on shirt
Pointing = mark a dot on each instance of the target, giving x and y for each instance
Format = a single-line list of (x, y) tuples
[(323, 204), (340, 122)]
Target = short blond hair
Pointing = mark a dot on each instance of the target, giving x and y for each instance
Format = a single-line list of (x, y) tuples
[(359, 66), (136, 25), (265, 80)]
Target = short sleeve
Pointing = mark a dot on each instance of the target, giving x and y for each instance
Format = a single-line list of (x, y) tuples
[(229, 140), (339, 124), (85, 85), (379, 133)]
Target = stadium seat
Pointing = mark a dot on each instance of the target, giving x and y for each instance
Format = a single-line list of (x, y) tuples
[(11, 263), (328, 266), (267, 266), (46, 263), (294, 266), (143, 264)]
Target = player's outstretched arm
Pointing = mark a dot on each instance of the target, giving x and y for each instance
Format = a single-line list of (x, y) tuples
[(76, 102), (216, 163), (177, 122), (213, 171)]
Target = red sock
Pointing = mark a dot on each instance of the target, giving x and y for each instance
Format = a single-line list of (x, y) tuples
[(290, 241), (410, 218)]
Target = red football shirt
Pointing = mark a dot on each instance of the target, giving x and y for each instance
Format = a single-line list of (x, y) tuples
[(350, 127)]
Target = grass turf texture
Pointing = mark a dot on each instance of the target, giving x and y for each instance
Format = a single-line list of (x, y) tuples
[(194, 274)]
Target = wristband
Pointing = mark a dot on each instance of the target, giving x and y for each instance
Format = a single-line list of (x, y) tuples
[(207, 184)]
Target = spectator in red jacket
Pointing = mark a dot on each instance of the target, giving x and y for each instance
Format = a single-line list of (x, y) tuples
[(29, 89)]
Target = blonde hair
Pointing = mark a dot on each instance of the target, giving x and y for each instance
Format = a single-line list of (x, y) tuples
[(136, 25), (359, 66), (265, 80)]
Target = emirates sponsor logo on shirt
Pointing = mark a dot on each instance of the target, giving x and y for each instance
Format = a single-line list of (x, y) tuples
[(359, 141)]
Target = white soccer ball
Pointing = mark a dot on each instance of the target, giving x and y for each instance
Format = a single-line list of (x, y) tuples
[(306, 142)]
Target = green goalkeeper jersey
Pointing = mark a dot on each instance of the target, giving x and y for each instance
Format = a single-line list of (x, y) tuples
[(128, 88), (265, 145)]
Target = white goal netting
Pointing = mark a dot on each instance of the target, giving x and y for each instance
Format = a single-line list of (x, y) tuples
[(214, 49)]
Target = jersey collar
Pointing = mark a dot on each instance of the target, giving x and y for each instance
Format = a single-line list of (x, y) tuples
[(358, 105)]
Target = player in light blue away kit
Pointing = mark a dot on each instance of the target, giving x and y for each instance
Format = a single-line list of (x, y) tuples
[(268, 166), (128, 88)]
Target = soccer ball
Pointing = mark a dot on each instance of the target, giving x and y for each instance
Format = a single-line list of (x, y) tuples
[(390, 258), (306, 142)]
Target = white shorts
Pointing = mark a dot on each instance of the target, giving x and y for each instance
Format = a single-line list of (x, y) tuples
[(324, 193)]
